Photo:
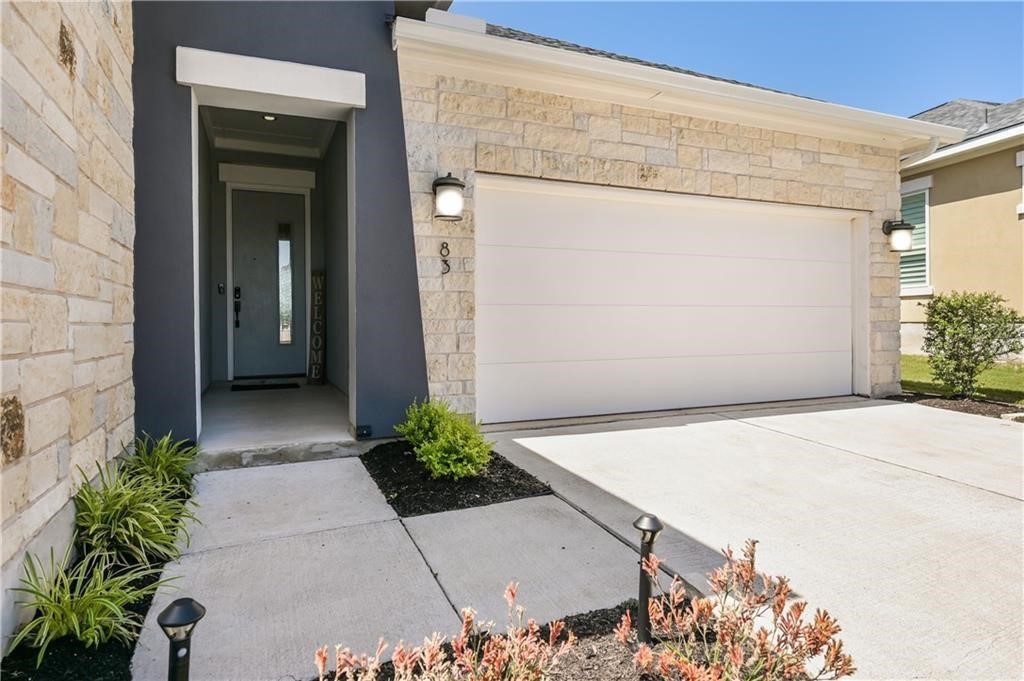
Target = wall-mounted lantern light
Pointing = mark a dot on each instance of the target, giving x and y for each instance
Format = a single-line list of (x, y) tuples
[(901, 235), (178, 620), (448, 199), (650, 527)]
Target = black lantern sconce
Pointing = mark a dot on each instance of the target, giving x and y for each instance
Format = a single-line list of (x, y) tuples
[(650, 527), (901, 235), (448, 197), (178, 620)]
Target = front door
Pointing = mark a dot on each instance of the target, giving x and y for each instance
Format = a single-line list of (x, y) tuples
[(269, 279)]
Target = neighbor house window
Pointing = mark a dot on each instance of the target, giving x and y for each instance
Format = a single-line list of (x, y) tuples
[(284, 283), (914, 263)]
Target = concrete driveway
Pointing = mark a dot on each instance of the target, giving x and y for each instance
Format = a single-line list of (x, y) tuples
[(904, 521)]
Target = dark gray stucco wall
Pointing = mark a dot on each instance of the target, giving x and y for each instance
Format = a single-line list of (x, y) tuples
[(204, 259), (390, 368), (336, 217)]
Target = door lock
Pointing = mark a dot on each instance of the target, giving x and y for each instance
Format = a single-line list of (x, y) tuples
[(238, 304)]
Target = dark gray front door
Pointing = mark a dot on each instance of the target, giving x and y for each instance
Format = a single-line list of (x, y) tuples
[(269, 276)]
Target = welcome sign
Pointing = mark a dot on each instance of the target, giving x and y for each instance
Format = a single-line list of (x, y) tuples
[(317, 329)]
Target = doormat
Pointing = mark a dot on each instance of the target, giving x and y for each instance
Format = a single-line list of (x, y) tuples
[(263, 386)]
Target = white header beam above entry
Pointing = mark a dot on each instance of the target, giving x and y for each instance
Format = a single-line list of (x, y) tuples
[(256, 84), (264, 175)]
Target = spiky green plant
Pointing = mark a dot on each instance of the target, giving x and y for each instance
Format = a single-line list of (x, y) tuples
[(89, 601), (132, 518), (165, 462)]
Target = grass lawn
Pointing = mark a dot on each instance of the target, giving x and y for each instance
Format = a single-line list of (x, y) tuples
[(1002, 383)]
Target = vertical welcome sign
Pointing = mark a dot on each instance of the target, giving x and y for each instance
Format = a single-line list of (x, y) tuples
[(317, 328)]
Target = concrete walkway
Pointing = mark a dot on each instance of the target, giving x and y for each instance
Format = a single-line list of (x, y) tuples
[(294, 556), (904, 521)]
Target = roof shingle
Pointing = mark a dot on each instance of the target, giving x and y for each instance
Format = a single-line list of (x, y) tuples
[(977, 118), (523, 36)]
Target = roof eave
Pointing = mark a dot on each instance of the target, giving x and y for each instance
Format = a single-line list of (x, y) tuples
[(1007, 138), (489, 58)]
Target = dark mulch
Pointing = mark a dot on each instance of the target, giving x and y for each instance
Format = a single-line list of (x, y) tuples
[(68, 659), (411, 491), (979, 407), (597, 655)]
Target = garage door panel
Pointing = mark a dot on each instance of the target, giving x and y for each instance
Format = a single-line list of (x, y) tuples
[(597, 300), (513, 392), (565, 333), (659, 225), (515, 275)]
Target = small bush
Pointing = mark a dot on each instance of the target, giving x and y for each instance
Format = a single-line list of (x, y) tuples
[(447, 444), (965, 333), (422, 421), (746, 630), (131, 518), (164, 462), (89, 601), (522, 653)]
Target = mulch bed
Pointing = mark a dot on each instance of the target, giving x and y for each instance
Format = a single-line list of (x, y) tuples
[(597, 655), (978, 407), (411, 491), (68, 659)]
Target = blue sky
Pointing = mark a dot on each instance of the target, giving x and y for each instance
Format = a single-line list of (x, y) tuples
[(900, 58)]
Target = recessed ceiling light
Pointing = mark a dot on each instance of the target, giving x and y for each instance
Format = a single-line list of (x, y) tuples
[(269, 117)]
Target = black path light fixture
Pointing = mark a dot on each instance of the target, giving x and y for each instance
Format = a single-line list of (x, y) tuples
[(178, 620), (901, 235), (650, 527), (448, 197)]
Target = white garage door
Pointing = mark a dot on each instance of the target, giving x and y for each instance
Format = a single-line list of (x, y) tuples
[(597, 300)]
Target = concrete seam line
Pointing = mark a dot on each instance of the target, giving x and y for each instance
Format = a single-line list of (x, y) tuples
[(665, 567), (430, 568), (872, 458), (264, 540)]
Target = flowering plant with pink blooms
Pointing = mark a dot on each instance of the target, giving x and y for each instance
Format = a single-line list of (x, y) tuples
[(746, 630), (522, 653)]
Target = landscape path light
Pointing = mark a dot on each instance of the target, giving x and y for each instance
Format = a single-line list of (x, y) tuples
[(178, 620), (650, 527)]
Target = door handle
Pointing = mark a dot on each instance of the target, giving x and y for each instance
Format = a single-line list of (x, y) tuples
[(238, 303)]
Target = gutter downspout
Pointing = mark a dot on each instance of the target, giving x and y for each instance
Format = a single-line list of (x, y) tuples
[(933, 144)]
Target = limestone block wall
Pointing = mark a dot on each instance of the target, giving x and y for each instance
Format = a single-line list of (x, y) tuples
[(68, 231), (465, 127)]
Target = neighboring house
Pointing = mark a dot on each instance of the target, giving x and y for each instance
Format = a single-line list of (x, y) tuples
[(635, 236), (967, 202)]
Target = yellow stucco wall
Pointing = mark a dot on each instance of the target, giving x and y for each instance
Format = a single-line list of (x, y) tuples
[(976, 237)]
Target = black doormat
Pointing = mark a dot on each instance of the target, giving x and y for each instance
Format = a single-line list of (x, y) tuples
[(263, 386)]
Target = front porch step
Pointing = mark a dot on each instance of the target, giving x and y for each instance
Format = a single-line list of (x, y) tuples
[(270, 455)]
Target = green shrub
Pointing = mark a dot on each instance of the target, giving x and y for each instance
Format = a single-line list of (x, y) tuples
[(458, 450), (164, 462), (447, 444), (89, 601), (131, 518), (965, 333), (422, 421)]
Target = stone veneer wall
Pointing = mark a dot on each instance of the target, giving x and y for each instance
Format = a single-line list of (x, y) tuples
[(464, 127), (68, 232)]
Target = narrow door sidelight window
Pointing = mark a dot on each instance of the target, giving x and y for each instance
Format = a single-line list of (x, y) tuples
[(284, 283)]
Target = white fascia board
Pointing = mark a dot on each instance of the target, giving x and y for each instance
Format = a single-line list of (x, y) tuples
[(454, 52), (972, 148), (256, 84)]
